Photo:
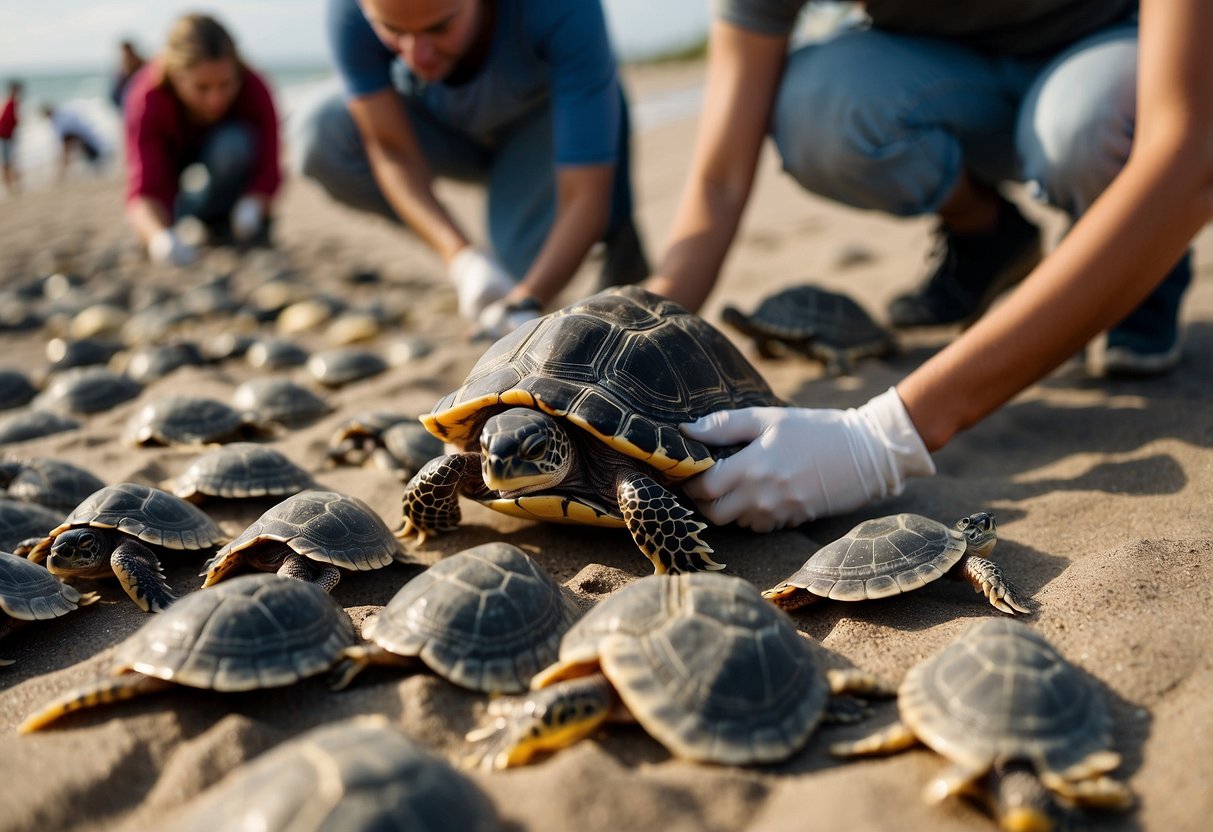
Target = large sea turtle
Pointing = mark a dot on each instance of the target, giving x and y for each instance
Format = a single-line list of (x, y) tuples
[(574, 416)]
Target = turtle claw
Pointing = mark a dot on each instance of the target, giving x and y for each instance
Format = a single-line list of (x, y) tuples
[(987, 579)]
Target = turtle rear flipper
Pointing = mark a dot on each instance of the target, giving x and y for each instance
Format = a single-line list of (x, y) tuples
[(324, 575), (987, 579), (664, 529), (431, 499), (113, 689), (141, 576)]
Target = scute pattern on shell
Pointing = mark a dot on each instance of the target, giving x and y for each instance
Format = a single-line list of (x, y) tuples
[(30, 593)]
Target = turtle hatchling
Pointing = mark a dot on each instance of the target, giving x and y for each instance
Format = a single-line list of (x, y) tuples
[(241, 471), (308, 536), (573, 418), (108, 535), (705, 666), (30, 593), (815, 322), (188, 420), (279, 400), (1018, 722), (258, 631), (393, 441), (31, 424), (337, 367), (88, 390), (50, 482), (896, 554), (488, 619)]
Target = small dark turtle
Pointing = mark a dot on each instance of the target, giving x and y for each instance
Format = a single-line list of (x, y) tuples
[(30, 593), (896, 554), (89, 390), (308, 536), (16, 389), (148, 364), (105, 536), (64, 354), (258, 631), (823, 325), (32, 424), (188, 420), (227, 345), (338, 367), (50, 482), (357, 437), (407, 349), (357, 774), (488, 619), (280, 400), (1018, 722), (241, 471), (393, 441), (700, 661), (20, 521), (573, 418), (275, 353)]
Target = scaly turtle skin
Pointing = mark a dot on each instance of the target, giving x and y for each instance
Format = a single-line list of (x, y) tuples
[(574, 416), (241, 471), (30, 593), (308, 536), (488, 619), (357, 774), (700, 661), (1018, 722), (822, 325), (257, 631), (896, 554), (104, 538)]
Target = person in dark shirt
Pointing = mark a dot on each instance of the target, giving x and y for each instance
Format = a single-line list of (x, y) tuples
[(8, 136), (201, 141), (129, 62)]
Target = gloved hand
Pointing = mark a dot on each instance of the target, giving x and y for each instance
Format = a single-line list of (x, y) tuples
[(801, 463), (502, 317), (166, 248), (247, 217), (479, 280)]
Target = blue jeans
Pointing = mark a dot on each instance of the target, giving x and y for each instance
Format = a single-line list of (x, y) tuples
[(518, 171), (228, 152), (889, 122)]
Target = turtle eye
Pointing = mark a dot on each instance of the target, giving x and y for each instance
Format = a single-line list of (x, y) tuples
[(534, 447)]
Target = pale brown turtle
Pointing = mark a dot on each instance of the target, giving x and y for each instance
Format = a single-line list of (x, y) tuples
[(573, 418), (108, 535), (258, 631), (310, 536), (1019, 723), (899, 553), (29, 593), (241, 471)]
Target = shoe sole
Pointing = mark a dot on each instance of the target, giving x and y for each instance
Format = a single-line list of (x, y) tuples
[(1121, 361)]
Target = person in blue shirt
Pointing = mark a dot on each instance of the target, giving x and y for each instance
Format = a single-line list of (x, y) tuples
[(520, 95)]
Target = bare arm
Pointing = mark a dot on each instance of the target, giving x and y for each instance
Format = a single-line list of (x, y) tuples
[(1114, 256), (401, 171), (742, 78)]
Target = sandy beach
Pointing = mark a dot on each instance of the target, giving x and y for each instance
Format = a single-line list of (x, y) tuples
[(1101, 491)]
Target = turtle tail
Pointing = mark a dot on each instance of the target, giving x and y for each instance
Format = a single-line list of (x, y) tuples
[(115, 689)]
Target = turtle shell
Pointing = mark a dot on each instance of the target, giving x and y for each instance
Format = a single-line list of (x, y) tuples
[(30, 593), (355, 774), (89, 390), (254, 631), (705, 665), (1001, 690), (802, 312), (49, 482), (185, 420), (488, 618), (20, 521), (625, 365), (882, 557), (240, 471)]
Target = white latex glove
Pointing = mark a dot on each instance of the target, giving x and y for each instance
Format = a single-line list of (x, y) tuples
[(502, 317), (801, 464), (479, 280), (166, 248), (247, 217)]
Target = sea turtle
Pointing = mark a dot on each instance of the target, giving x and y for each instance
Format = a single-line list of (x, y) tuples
[(15, 389), (341, 366), (279, 400), (258, 631), (700, 661), (820, 324), (275, 353), (88, 390), (105, 537), (147, 364), (33, 423), (21, 520), (488, 619), (63, 353), (1017, 721), (895, 554), (573, 417), (50, 482), (308, 536), (189, 420), (30, 593), (241, 471), (394, 441)]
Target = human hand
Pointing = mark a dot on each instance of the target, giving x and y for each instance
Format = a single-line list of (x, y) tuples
[(167, 249), (801, 463), (479, 281), (247, 217), (502, 317)]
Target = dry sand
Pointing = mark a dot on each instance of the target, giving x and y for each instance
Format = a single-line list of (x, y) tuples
[(1101, 490)]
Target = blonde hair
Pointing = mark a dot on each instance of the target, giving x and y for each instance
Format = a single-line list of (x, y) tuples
[(195, 39)]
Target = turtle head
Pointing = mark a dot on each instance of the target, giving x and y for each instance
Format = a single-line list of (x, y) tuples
[(1020, 802), (524, 450), (980, 532), (788, 596), (83, 553)]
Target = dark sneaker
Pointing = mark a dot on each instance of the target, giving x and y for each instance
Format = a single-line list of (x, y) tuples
[(623, 261), (1148, 341), (969, 271)]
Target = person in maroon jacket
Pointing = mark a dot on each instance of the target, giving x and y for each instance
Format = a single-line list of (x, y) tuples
[(201, 141), (8, 130)]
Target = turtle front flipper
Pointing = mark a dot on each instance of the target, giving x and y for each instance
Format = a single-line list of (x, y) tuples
[(359, 657), (431, 498), (301, 568), (141, 576), (114, 689), (987, 578), (889, 740), (664, 529), (544, 720)]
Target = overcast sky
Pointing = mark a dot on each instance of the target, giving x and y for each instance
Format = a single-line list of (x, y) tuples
[(52, 34)]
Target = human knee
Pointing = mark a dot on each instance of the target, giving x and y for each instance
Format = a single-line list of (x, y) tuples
[(319, 138)]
